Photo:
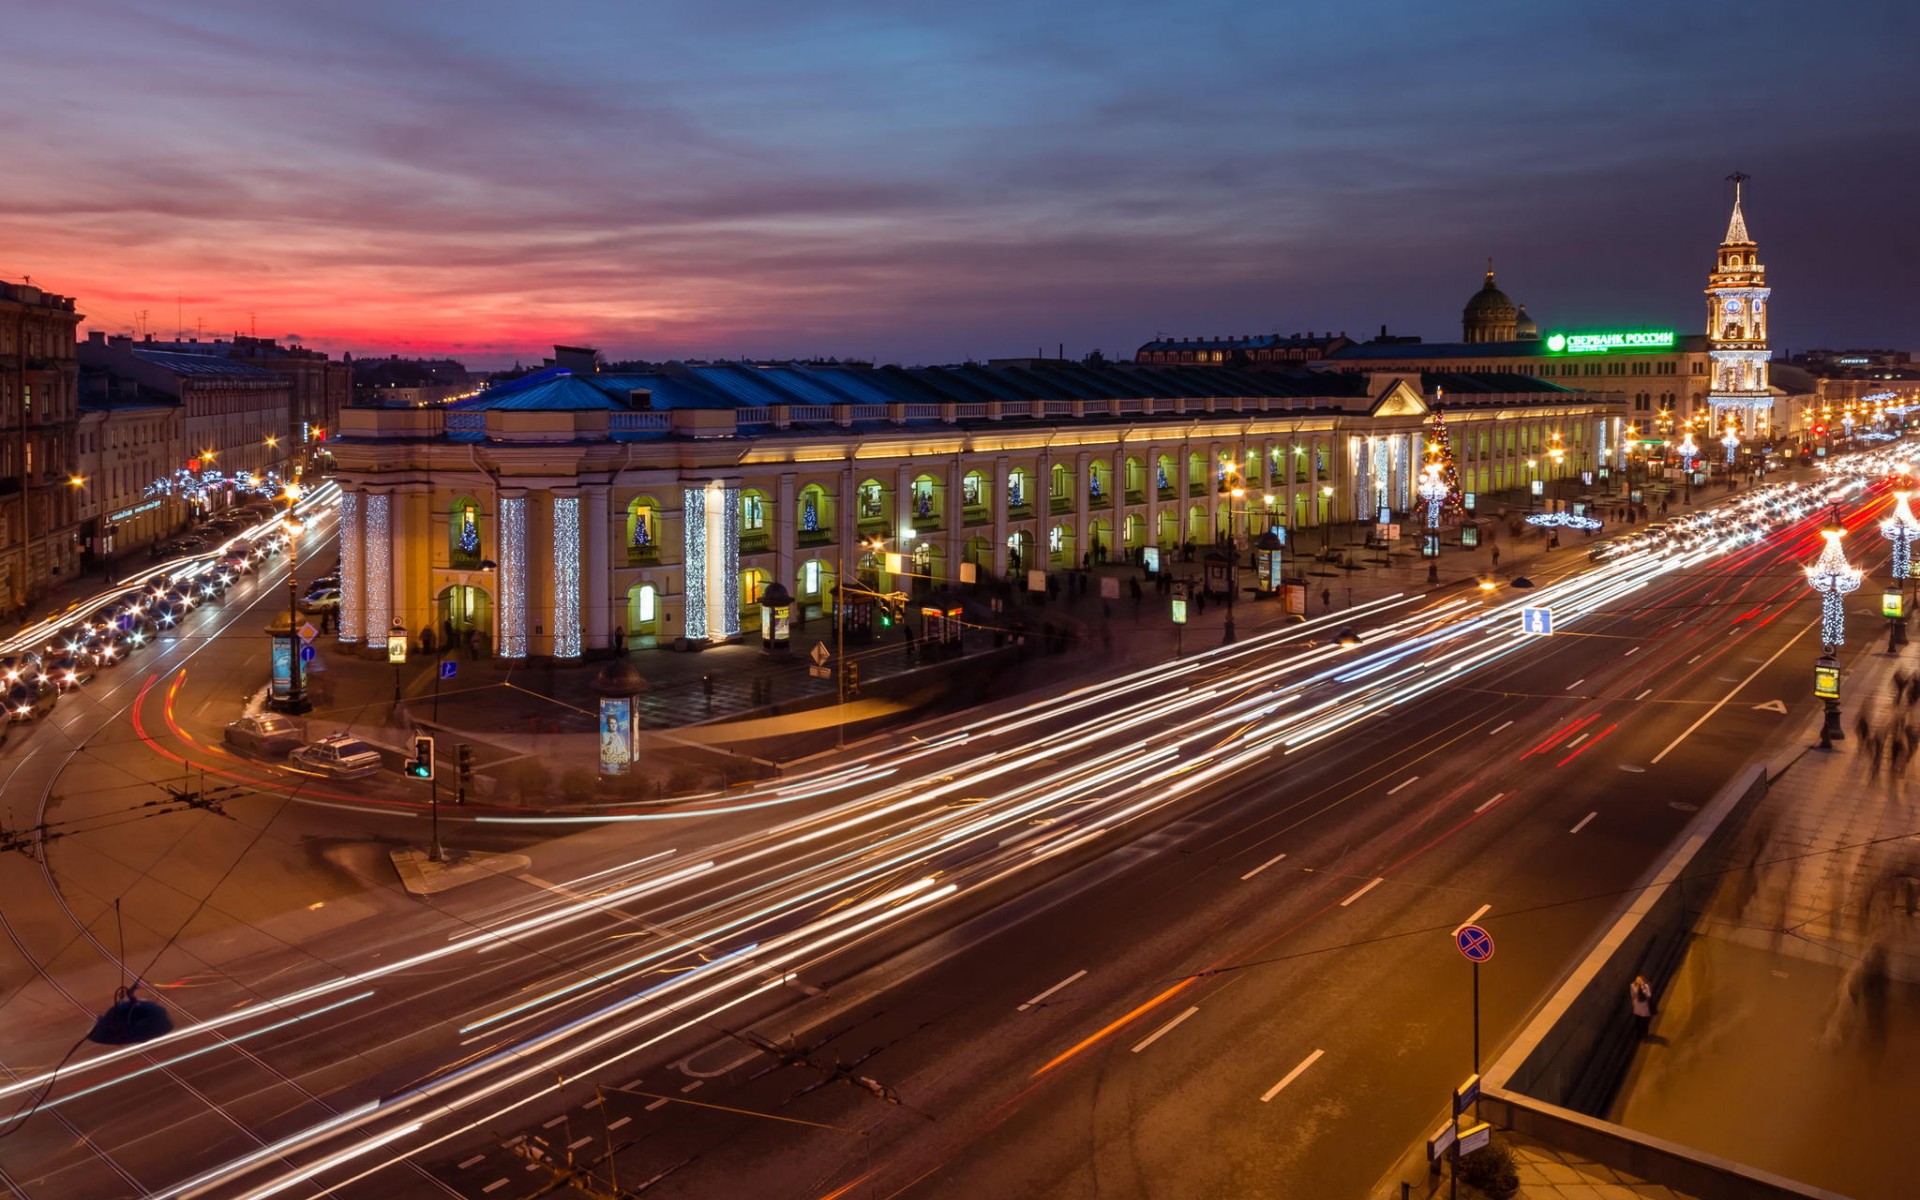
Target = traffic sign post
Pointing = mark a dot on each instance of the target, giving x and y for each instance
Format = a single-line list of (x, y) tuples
[(1537, 621), (1476, 946)]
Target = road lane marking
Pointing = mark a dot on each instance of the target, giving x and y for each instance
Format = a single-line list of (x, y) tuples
[(1263, 866), (1477, 914), (1635, 650), (1576, 683), (1410, 780), (1696, 658), (593, 1103), (476, 1158), (1583, 822), (696, 1083), (1644, 695), (1050, 991), (552, 1123), (1292, 1075), (1498, 728), (498, 1183), (575, 1145), (657, 1104), (619, 1123), (1575, 742), (1157, 1034), (1487, 804), (1597, 738), (1363, 891), (1730, 695)]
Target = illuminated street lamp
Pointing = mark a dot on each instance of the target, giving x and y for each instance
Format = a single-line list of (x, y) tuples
[(1433, 490), (1688, 452), (1833, 578), (1901, 529), (1732, 442)]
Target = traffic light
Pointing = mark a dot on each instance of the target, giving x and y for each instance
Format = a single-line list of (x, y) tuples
[(420, 766), (853, 679), (464, 760)]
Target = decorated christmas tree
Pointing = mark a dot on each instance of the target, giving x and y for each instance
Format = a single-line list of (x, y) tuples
[(1440, 450)]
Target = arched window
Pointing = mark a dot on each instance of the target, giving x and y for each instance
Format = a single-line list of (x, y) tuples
[(643, 531), (871, 501), (463, 535), (815, 519), (643, 609), (926, 502), (973, 490), (1018, 489), (755, 532), (753, 584)]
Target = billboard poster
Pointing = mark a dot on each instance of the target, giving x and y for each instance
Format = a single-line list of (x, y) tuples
[(616, 735), (282, 668)]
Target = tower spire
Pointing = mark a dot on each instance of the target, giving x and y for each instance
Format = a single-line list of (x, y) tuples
[(1737, 226)]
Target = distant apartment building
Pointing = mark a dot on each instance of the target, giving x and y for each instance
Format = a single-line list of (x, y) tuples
[(1241, 349), (130, 444), (318, 387), (38, 416), (233, 414), (395, 382)]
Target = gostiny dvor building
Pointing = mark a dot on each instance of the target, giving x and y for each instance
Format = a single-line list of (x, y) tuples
[(545, 515)]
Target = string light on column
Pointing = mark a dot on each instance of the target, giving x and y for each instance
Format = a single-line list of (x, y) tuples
[(378, 548), (512, 604), (1732, 442), (1901, 529), (352, 567), (1833, 579), (566, 577), (694, 506)]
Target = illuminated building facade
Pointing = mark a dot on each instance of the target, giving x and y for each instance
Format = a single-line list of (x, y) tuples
[(546, 513), (1737, 296)]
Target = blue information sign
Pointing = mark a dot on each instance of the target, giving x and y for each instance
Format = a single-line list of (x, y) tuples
[(1474, 942), (1536, 620), (446, 670), (306, 654)]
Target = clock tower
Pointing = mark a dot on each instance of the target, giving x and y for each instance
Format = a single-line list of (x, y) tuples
[(1737, 327)]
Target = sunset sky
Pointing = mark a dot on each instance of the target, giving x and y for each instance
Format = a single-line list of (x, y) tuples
[(929, 183)]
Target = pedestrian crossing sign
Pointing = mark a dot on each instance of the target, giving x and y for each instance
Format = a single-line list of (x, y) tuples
[(1538, 621)]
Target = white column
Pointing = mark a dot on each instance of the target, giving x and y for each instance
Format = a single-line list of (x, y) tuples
[(566, 573), (1001, 470), (510, 606), (786, 526), (379, 568), (596, 573), (404, 522), (352, 564), (1083, 503)]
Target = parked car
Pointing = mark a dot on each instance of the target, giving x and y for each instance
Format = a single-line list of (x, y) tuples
[(324, 600), (68, 670), (324, 581), (267, 734), (340, 756), (29, 700)]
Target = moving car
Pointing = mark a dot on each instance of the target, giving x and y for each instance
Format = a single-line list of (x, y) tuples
[(339, 755), (265, 733)]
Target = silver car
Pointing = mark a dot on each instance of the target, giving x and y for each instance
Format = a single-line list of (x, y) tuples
[(340, 756), (268, 734)]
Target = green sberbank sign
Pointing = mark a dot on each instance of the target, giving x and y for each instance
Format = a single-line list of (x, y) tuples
[(1600, 343)]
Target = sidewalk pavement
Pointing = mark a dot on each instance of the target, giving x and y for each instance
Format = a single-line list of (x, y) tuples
[(1550, 1174), (1790, 1034)]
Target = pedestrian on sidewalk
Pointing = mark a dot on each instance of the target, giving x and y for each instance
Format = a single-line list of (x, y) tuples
[(1496, 558), (619, 639), (1326, 599), (706, 685), (1640, 996)]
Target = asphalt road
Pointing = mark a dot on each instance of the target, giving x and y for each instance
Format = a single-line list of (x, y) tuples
[(1136, 839)]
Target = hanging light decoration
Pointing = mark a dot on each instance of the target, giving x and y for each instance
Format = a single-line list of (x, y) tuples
[(1833, 579), (1688, 451), (1731, 441), (1901, 529), (1433, 489)]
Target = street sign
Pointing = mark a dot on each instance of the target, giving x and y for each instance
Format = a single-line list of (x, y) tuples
[(1475, 1137), (308, 632), (821, 654), (397, 648), (1390, 532), (1891, 603), (1179, 611), (1474, 942), (1826, 681), (1466, 1094), (1441, 1142), (447, 669), (1536, 621), (306, 654), (820, 672)]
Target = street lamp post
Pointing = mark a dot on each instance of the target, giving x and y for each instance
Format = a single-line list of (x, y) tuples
[(1432, 489), (1833, 578), (1901, 529), (296, 698)]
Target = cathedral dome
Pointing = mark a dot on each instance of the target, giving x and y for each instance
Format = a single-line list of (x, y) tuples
[(1524, 330), (1489, 316)]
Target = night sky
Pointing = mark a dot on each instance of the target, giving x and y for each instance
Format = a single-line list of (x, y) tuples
[(921, 183)]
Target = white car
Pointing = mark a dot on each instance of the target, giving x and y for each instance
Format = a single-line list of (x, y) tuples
[(339, 755)]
